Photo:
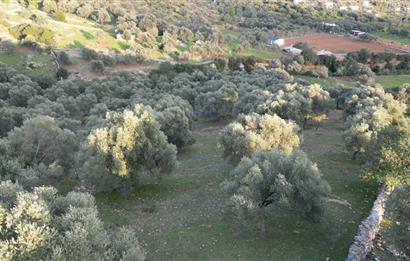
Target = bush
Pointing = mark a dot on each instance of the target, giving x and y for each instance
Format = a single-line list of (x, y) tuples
[(274, 178), (255, 132), (59, 16), (97, 66), (63, 58), (30, 31), (7, 47)]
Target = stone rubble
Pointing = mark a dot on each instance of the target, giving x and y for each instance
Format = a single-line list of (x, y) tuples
[(368, 229)]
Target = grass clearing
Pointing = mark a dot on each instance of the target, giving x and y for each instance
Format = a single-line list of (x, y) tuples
[(182, 217), (392, 37), (390, 81), (20, 59)]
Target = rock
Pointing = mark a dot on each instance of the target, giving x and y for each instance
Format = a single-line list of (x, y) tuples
[(392, 250)]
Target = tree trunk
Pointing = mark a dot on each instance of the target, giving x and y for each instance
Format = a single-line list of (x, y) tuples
[(355, 155)]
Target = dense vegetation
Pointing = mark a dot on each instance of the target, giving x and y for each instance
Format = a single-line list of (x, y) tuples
[(65, 139)]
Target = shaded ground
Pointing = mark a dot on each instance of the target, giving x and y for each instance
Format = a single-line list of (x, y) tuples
[(182, 217), (342, 44)]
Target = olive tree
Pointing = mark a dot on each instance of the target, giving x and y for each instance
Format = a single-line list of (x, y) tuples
[(41, 225), (368, 112), (130, 142), (297, 102), (390, 161), (175, 116), (216, 104), (41, 141), (273, 177), (253, 132)]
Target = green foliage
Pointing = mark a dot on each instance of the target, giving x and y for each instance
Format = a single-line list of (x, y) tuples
[(32, 31), (97, 66), (298, 103), (175, 116), (254, 132), (59, 16), (40, 225), (130, 142), (274, 177), (217, 104), (41, 141), (389, 159), (369, 110), (87, 35), (398, 207)]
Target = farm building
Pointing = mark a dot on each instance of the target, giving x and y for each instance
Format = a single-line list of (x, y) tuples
[(357, 33), (324, 53), (292, 50), (273, 40)]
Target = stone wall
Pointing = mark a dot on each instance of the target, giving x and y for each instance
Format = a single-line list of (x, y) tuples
[(363, 241)]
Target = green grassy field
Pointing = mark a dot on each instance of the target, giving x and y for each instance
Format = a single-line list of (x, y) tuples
[(19, 60), (392, 37), (183, 217), (390, 81)]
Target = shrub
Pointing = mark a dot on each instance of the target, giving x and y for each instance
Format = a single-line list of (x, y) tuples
[(97, 66), (59, 16), (63, 58)]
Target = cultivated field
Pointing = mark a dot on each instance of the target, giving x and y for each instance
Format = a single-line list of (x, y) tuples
[(183, 217), (343, 44)]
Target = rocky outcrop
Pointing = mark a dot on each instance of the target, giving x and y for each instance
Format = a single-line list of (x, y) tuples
[(368, 229)]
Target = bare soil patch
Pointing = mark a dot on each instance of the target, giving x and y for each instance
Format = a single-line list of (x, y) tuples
[(343, 44)]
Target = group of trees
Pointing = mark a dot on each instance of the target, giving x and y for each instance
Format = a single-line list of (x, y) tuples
[(263, 142), (309, 16), (362, 64), (368, 111), (33, 33), (145, 26), (41, 225), (111, 132)]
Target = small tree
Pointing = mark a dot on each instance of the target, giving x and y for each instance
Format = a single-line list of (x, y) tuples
[(59, 16), (130, 143), (257, 132), (97, 66), (274, 177), (41, 141), (63, 58)]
